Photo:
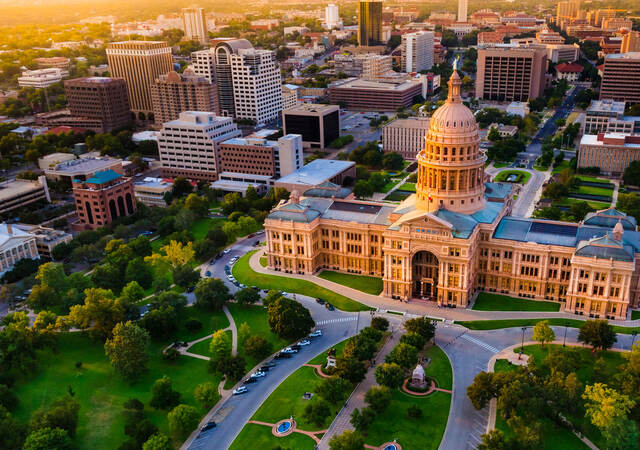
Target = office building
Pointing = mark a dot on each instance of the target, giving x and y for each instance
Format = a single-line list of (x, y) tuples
[(319, 125), (372, 95), (223, 50), (15, 244), (317, 173), (139, 63), (616, 24), (331, 17), (370, 23), (102, 199), (59, 62), (42, 78), (82, 168), (563, 52), (417, 51), (569, 71), (46, 238), (549, 37), (260, 156), (152, 191), (257, 86), (566, 11), (203, 64), (490, 37), (621, 78), (630, 42), (366, 65), (611, 152), (508, 73), (290, 96), (97, 103), (607, 116), (405, 136), (18, 193), (462, 10), (455, 235), (188, 145), (174, 93), (194, 24)]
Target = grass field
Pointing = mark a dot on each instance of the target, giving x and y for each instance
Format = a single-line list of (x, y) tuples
[(263, 261), (523, 177), (244, 274), (100, 391), (593, 179), (499, 165), (387, 187), (370, 285), (635, 315), (408, 187), (260, 437), (510, 323), (494, 302), (396, 196), (199, 229), (592, 190), (560, 167), (427, 431), (568, 201)]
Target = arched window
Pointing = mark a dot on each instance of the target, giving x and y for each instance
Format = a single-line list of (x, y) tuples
[(129, 203), (87, 207), (113, 210), (121, 207)]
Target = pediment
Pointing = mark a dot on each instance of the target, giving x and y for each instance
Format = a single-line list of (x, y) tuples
[(423, 219)]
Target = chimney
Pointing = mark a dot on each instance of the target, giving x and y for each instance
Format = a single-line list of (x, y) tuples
[(9, 229)]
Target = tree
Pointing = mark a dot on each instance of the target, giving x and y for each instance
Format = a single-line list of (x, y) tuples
[(482, 390), (185, 276), (414, 339), (128, 350), (198, 205), (378, 398), (360, 348), (632, 174), (317, 412), (247, 296), (405, 355), (182, 419), (392, 161), (362, 419), (158, 442), (597, 333), (333, 389), (271, 296), (423, 326), (132, 293), (493, 440), (12, 432), (257, 347), (289, 319), (494, 134), (206, 394), (348, 440), (178, 254), (62, 413), (542, 332), (8, 399), (244, 331), (211, 293), (390, 375), (232, 367), (99, 313), (380, 323), (362, 189), (162, 394), (350, 369), (609, 410), (220, 346), (181, 187), (139, 271), (48, 439)]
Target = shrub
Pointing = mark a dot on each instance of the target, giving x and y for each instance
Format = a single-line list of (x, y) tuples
[(193, 325), (380, 323)]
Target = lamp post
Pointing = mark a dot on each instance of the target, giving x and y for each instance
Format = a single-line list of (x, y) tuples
[(522, 345), (634, 333), (566, 324)]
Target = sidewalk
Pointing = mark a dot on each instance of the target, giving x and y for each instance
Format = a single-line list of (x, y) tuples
[(342, 421)]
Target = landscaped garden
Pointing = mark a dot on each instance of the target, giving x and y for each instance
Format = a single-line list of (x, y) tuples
[(494, 302), (244, 274), (513, 176), (364, 283)]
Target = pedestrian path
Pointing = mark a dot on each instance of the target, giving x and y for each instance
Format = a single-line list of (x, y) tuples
[(484, 345), (342, 319)]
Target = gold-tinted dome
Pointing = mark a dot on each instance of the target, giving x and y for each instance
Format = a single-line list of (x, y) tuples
[(453, 117)]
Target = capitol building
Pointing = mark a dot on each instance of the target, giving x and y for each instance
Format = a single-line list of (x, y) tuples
[(455, 236)]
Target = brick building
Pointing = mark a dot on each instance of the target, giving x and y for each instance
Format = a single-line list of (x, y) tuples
[(370, 95), (621, 77)]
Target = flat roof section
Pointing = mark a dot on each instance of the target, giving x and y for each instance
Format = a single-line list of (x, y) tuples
[(317, 172), (355, 207)]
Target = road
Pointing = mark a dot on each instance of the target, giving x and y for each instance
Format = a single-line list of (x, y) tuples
[(525, 203)]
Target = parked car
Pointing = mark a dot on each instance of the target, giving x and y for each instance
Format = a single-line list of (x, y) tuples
[(250, 380), (258, 374), (289, 350), (208, 426), (320, 301), (329, 306), (295, 347), (304, 342), (240, 390), (208, 273), (225, 251), (316, 333), (256, 243), (282, 355), (269, 364)]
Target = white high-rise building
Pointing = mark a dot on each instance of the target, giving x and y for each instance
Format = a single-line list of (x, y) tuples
[(257, 86), (203, 63), (331, 17), (195, 24), (417, 51), (462, 10), (188, 145)]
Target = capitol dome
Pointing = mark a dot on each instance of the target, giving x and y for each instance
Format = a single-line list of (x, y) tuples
[(451, 165)]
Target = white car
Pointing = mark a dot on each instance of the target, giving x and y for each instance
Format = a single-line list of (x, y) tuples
[(316, 333), (226, 251), (304, 342), (240, 390), (258, 374), (289, 350)]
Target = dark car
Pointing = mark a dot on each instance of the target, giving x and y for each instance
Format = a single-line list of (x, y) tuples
[(329, 306), (282, 356), (264, 368), (257, 243), (208, 426), (320, 301), (250, 380), (295, 346), (269, 364)]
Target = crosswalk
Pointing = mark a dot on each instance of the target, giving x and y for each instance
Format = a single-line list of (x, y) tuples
[(342, 319), (480, 343)]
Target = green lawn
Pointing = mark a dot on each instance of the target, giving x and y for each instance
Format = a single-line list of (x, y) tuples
[(635, 315), (244, 274), (408, 187), (593, 179), (522, 176), (555, 438), (560, 167), (592, 190), (364, 283), (322, 357), (263, 261), (568, 201), (510, 323), (396, 196), (495, 302), (100, 391), (427, 431), (260, 437), (387, 187), (499, 165)]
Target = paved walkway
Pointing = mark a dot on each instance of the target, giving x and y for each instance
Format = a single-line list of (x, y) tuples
[(614, 197), (422, 307), (379, 196), (342, 421)]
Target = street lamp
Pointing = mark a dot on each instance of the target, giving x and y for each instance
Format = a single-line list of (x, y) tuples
[(566, 324), (522, 345), (634, 333)]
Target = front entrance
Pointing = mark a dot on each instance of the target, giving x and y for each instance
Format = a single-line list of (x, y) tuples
[(424, 276)]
